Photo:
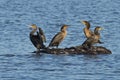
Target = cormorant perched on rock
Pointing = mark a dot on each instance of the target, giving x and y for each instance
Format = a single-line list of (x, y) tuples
[(59, 37), (94, 39), (88, 33), (37, 39)]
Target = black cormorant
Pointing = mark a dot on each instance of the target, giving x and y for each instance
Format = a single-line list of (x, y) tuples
[(37, 39)]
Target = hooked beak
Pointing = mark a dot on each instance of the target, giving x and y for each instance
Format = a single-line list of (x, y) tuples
[(30, 27), (101, 28), (66, 26), (82, 22)]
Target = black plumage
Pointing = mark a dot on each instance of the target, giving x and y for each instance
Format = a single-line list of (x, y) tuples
[(36, 39)]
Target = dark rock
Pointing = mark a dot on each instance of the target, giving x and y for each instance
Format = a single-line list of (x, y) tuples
[(77, 50)]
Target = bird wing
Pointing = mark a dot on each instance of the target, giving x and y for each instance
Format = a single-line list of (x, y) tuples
[(88, 33), (42, 35), (43, 38), (37, 41), (57, 38)]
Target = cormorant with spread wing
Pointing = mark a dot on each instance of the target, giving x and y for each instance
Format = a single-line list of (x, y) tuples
[(38, 38), (94, 39)]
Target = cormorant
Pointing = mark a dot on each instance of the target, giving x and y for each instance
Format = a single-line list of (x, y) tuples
[(58, 38), (94, 39), (88, 33), (37, 39)]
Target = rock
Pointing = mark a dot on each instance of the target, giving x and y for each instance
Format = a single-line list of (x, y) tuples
[(77, 50)]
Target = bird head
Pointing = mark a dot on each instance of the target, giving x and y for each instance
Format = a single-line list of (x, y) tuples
[(86, 23), (33, 26), (64, 27), (98, 28)]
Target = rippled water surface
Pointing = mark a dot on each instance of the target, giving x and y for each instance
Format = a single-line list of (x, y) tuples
[(18, 63)]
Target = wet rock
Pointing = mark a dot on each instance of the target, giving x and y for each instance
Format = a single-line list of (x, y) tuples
[(77, 50)]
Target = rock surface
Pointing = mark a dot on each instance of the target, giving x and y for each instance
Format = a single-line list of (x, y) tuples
[(77, 50)]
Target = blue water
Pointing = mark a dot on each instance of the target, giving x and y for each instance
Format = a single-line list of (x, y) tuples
[(18, 63)]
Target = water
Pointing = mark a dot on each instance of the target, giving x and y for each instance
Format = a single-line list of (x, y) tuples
[(18, 63)]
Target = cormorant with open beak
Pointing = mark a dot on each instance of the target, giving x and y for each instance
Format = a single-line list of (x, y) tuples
[(38, 38)]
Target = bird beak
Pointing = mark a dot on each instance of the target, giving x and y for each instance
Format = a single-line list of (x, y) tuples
[(67, 26), (82, 22), (101, 28), (29, 26)]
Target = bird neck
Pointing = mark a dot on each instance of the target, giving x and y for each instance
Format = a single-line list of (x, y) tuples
[(88, 25), (33, 31), (63, 30)]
